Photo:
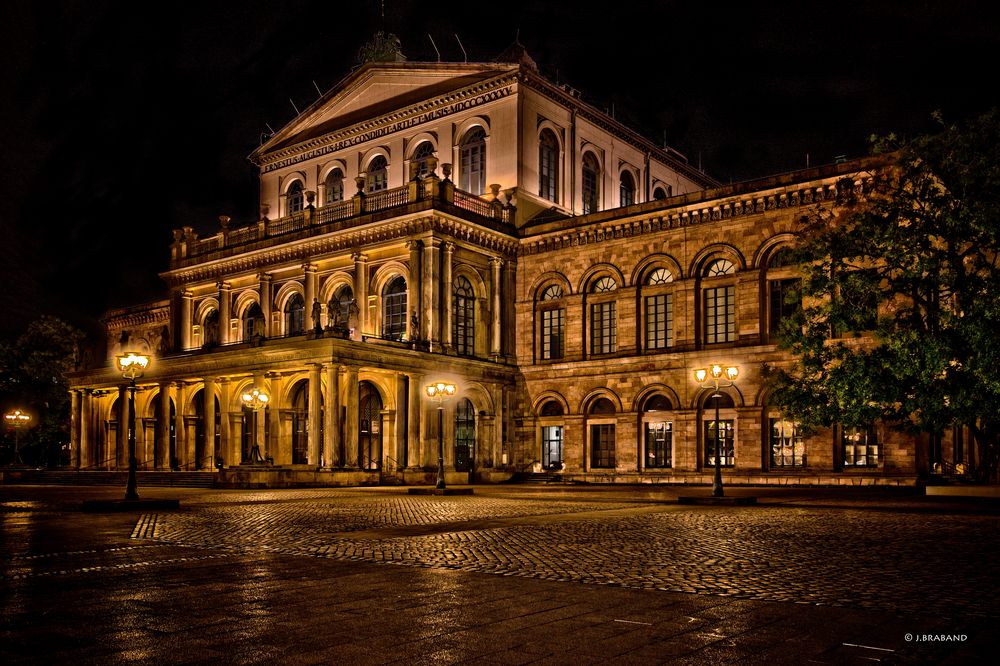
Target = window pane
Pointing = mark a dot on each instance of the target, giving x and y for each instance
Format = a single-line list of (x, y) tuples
[(473, 162), (553, 322), (720, 314), (603, 334), (548, 171), (860, 447), (778, 306), (552, 441), (602, 445), (787, 449), (726, 444), (463, 316), (659, 443), (394, 309), (591, 190), (659, 321)]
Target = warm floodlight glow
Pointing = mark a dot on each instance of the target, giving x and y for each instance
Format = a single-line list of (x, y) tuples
[(131, 364), (17, 418), (440, 390), (716, 371), (732, 373), (254, 398), (700, 374)]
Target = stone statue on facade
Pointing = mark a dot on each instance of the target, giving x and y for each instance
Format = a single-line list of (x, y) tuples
[(353, 314), (316, 310), (333, 313), (414, 325)]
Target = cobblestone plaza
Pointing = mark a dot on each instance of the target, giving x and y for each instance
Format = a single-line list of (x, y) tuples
[(509, 575)]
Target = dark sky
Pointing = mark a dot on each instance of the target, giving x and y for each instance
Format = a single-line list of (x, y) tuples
[(120, 125)]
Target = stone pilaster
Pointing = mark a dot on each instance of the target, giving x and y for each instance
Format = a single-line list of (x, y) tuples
[(447, 290), (161, 452), (74, 429), (313, 419), (353, 416), (206, 457), (331, 419), (225, 313), (413, 296), (187, 304), (361, 293), (264, 287), (495, 312)]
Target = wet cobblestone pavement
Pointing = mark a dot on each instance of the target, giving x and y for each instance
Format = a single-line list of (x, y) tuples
[(498, 577)]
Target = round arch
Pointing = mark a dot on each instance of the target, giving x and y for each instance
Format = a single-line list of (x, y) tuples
[(470, 273), (556, 131), (285, 292), (414, 142), (382, 386), (652, 262), (716, 251), (655, 389), (244, 299), (290, 178), (468, 125), (372, 154), (479, 396), (597, 393), (548, 278), (598, 270), (702, 396), (385, 273), (332, 283), (767, 249), (330, 166), (546, 396)]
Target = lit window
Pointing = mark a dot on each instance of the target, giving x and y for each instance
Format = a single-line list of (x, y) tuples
[(602, 435), (659, 276), (473, 161), (787, 448), (465, 435), (659, 433), (552, 293), (860, 447), (720, 267), (605, 284)]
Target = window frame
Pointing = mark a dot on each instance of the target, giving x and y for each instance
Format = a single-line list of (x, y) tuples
[(590, 183), (548, 166), (472, 153), (463, 316), (649, 291)]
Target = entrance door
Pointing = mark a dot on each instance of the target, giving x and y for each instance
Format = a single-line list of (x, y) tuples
[(465, 435), (552, 447), (370, 428)]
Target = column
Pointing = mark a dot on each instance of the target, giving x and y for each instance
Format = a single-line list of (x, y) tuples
[(399, 426), (121, 445), (86, 454), (225, 423), (161, 452), (414, 397), (495, 264), (331, 418), (446, 293), (313, 418), (264, 281), (309, 282), (361, 292), (225, 315), (271, 443), (187, 299), (207, 454), (180, 434), (74, 429), (429, 293), (506, 343), (413, 288), (351, 426)]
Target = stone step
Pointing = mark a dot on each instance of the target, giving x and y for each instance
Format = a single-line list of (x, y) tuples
[(111, 478)]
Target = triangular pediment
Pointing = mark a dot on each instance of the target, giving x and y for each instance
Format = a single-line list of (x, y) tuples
[(375, 90)]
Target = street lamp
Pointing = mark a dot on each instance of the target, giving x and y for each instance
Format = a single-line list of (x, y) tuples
[(711, 379), (255, 399), (131, 365), (17, 420), (440, 392)]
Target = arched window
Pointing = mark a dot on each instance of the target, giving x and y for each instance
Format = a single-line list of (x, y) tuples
[(369, 427), (334, 187), (295, 315), (394, 309), (210, 329), (603, 318), (465, 435), (626, 189), (339, 307), (419, 160), (300, 415), (553, 318), (658, 433), (658, 309), (601, 427), (548, 165), (719, 437), (659, 193), (253, 321), (463, 305), (591, 184), (782, 291), (378, 174), (719, 302), (472, 161), (296, 198)]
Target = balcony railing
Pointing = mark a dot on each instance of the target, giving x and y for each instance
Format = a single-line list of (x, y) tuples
[(427, 193)]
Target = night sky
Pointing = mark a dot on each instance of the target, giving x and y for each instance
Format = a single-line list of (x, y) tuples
[(121, 125)]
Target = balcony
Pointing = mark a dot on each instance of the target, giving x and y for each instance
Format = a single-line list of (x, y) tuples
[(418, 195)]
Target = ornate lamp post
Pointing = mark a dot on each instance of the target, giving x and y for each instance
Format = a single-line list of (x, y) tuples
[(440, 392), (255, 399), (17, 420), (131, 365), (710, 379)]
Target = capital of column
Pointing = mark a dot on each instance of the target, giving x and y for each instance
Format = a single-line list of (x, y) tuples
[(264, 277), (309, 267), (449, 247), (413, 244), (359, 256), (222, 285), (187, 294), (496, 261)]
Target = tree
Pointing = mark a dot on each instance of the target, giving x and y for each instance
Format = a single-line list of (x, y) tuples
[(33, 377), (918, 247)]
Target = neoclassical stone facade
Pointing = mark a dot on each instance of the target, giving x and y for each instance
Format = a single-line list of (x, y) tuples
[(477, 224)]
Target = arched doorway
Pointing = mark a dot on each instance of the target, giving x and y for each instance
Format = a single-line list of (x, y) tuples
[(370, 427), (465, 435), (551, 415)]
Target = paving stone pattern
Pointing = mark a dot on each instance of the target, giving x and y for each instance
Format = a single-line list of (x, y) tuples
[(862, 559)]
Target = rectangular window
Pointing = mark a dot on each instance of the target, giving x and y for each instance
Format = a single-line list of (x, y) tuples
[(720, 314), (726, 445), (659, 321), (659, 444), (778, 306), (787, 449), (553, 329), (603, 336), (602, 445), (860, 447)]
